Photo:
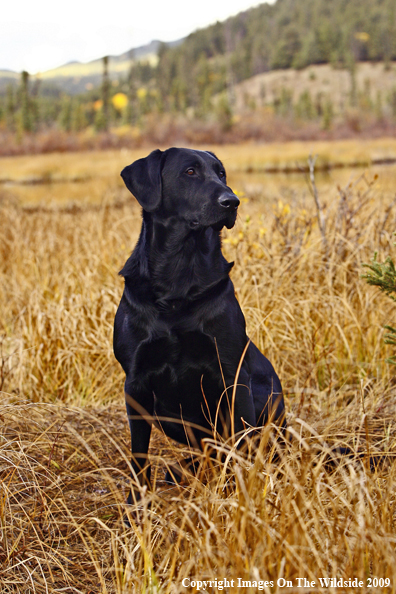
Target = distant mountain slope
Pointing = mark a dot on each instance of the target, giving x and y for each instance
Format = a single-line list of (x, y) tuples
[(7, 77), (77, 77)]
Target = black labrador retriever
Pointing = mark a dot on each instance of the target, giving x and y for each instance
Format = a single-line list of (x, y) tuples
[(179, 331)]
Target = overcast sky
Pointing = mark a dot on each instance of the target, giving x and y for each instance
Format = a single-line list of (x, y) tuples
[(36, 35)]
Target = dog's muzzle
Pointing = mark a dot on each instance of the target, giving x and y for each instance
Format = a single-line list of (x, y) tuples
[(229, 201)]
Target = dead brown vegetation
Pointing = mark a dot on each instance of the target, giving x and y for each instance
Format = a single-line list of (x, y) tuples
[(260, 125)]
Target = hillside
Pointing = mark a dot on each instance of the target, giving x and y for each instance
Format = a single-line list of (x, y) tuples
[(319, 81)]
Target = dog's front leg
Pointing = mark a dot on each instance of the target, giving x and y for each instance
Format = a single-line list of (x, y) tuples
[(242, 405), (140, 410)]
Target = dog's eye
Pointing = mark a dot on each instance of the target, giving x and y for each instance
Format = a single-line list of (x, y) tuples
[(222, 174), (190, 171)]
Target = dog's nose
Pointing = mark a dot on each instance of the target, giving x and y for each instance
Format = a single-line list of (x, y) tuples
[(229, 201)]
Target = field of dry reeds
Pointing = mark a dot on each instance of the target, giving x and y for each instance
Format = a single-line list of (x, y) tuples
[(268, 520)]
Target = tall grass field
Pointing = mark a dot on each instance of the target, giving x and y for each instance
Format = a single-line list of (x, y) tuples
[(287, 517)]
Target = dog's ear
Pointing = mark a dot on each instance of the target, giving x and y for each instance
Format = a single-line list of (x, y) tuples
[(143, 180)]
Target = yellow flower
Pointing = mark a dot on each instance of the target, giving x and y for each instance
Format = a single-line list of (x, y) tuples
[(283, 209), (362, 36), (119, 100), (241, 196), (141, 93)]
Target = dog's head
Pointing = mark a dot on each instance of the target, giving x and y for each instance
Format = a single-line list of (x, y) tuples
[(183, 183)]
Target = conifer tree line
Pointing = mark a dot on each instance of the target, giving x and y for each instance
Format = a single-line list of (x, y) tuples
[(187, 77)]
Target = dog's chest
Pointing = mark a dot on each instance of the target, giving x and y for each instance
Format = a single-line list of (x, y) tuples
[(176, 353), (183, 371)]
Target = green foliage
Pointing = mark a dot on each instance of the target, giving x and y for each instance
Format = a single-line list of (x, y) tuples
[(378, 105), (287, 48), (327, 114), (65, 116), (10, 108), (224, 112), (392, 101), (128, 114), (100, 121), (383, 275), (78, 120), (25, 113), (305, 108), (283, 102)]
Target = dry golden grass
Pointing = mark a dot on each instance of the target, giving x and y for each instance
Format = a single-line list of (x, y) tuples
[(257, 157), (64, 443), (65, 479)]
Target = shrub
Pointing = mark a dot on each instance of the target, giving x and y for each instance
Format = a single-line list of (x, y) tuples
[(383, 275)]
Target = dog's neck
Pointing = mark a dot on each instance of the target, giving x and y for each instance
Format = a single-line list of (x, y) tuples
[(182, 263)]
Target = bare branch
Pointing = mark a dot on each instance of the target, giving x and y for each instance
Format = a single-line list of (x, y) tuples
[(319, 211)]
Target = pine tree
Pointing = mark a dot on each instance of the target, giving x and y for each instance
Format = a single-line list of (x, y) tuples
[(383, 275), (305, 107), (328, 114), (351, 67), (78, 121), (102, 116), (392, 101), (378, 105), (25, 111), (130, 112), (10, 108), (224, 112), (65, 115)]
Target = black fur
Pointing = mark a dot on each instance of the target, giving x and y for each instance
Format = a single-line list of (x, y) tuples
[(179, 331)]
